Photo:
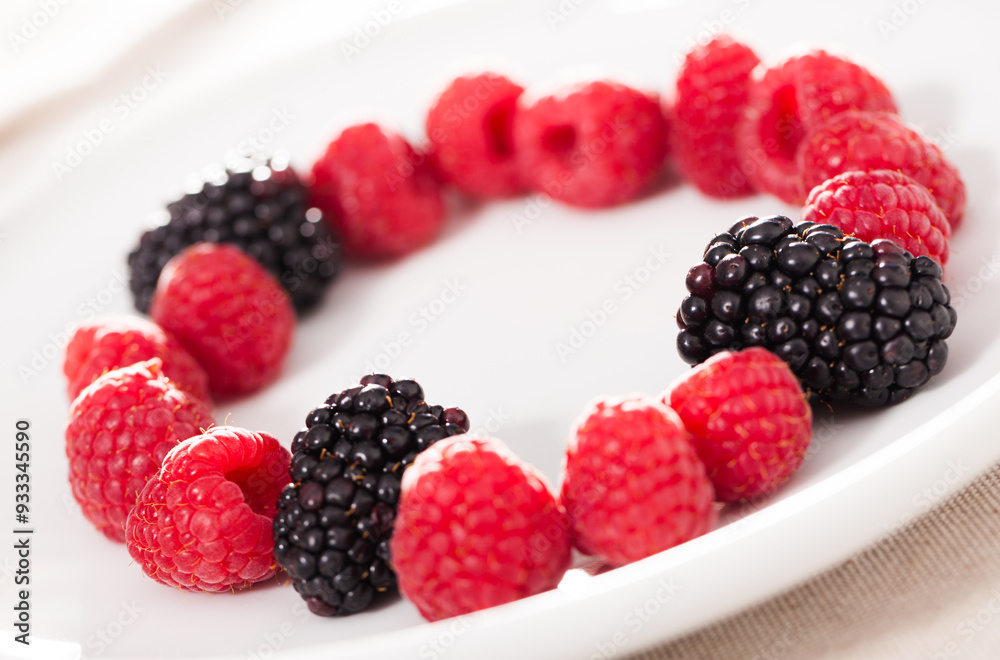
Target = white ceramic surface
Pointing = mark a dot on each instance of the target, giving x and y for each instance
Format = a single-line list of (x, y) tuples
[(523, 288)]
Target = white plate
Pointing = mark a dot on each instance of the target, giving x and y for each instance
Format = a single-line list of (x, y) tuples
[(492, 351)]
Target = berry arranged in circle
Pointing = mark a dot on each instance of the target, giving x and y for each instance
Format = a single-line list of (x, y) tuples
[(749, 420), (335, 519), (470, 127), (258, 205), (113, 342), (854, 321), (789, 98), (711, 97), (477, 527), (592, 145), (882, 204), (880, 141), (120, 429), (229, 313), (632, 482), (848, 305), (379, 193), (203, 522)]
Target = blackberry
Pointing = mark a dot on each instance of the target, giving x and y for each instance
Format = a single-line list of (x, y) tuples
[(855, 321), (258, 205), (334, 521)]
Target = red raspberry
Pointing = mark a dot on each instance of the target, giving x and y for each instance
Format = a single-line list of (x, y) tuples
[(749, 418), (593, 145), (788, 99), (203, 523), (476, 527), (711, 93), (379, 194), (880, 141), (882, 204), (107, 344), (120, 428), (470, 127), (633, 484), (229, 313)]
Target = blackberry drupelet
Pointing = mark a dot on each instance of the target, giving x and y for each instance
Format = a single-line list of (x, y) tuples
[(258, 205), (854, 321), (334, 521)]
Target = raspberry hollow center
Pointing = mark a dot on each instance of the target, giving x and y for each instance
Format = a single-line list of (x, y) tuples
[(781, 125), (260, 488), (559, 140), (499, 124)]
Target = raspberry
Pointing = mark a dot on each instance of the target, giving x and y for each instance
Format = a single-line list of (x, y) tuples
[(882, 204), (203, 523), (120, 428), (471, 132), (711, 93), (632, 484), (476, 528), (593, 145), (880, 141), (855, 321), (750, 421), (258, 205), (334, 521), (378, 193), (788, 99), (228, 312), (107, 344)]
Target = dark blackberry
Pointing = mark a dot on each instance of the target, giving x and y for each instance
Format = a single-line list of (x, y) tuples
[(855, 321), (258, 205), (334, 521)]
